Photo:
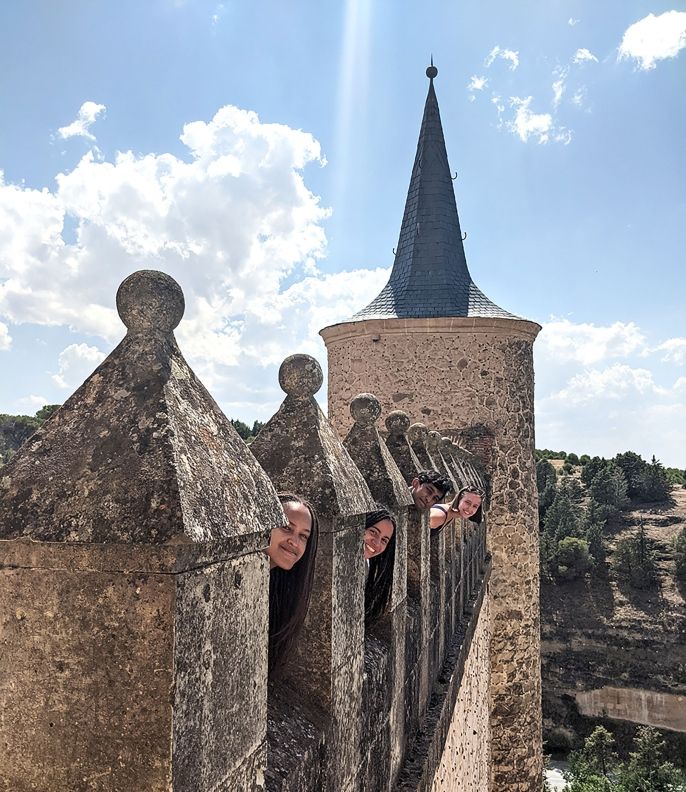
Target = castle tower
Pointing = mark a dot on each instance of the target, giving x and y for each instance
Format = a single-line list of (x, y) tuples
[(434, 345)]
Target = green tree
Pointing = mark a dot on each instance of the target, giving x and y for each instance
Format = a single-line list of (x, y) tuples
[(572, 559), (608, 488), (571, 487), (573, 459), (46, 412), (647, 770), (545, 474), (584, 459), (636, 559), (632, 465), (592, 468), (257, 427), (547, 549), (561, 519), (591, 769), (242, 428), (545, 483), (680, 556), (653, 484), (593, 525), (676, 476)]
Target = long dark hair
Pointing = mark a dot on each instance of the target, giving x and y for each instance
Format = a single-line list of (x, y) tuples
[(377, 592), (289, 594)]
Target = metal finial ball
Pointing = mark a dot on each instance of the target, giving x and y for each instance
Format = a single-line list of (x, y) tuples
[(149, 300), (397, 422), (431, 72), (300, 376), (365, 409)]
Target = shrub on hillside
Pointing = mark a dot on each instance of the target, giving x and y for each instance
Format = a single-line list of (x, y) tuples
[(676, 476), (572, 458), (572, 559)]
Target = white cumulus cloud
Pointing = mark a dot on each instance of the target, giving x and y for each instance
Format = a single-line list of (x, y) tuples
[(674, 350), (80, 126), (559, 84), (654, 38), (539, 127), (477, 83), (5, 337), (232, 220), (584, 56), (586, 343), (511, 56), (32, 403), (613, 383), (75, 363)]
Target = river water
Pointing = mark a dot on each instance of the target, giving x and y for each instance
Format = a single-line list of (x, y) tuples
[(554, 774)]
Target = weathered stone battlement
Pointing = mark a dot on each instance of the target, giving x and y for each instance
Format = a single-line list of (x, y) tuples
[(134, 592)]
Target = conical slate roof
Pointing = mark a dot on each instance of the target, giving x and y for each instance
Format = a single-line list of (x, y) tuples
[(430, 276)]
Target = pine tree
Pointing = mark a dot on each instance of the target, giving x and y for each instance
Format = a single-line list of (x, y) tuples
[(680, 556), (591, 768), (647, 770), (632, 465), (593, 525), (561, 519), (636, 559), (653, 484), (572, 559), (608, 488)]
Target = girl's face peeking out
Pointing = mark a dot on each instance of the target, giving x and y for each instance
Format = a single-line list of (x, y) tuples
[(469, 504), (377, 537), (288, 543)]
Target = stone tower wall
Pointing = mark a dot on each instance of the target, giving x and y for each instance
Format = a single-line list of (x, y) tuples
[(451, 373)]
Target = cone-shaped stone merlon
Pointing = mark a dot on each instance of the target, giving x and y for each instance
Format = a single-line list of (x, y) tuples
[(430, 275), (433, 443), (301, 451), (369, 452), (397, 424), (418, 435), (140, 453)]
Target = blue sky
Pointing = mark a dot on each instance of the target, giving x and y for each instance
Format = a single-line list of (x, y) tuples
[(260, 153)]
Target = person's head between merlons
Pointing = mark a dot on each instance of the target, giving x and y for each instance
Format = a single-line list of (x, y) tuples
[(292, 551), (469, 503), (429, 487), (379, 553)]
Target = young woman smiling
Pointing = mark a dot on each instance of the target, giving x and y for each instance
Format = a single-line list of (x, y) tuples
[(379, 553), (292, 550), (466, 504)]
